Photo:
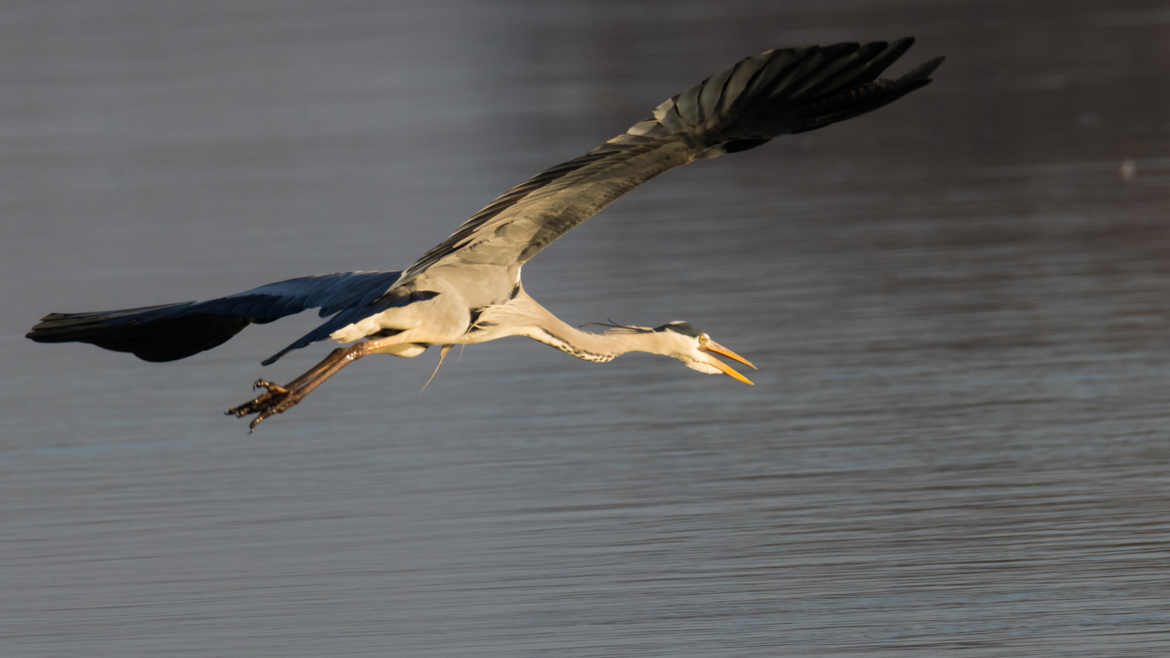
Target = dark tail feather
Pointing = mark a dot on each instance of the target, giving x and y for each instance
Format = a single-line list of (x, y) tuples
[(152, 333)]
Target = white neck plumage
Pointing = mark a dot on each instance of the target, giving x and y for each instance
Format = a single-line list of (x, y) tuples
[(523, 316)]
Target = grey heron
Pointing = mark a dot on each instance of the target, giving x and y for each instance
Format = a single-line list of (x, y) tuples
[(467, 289)]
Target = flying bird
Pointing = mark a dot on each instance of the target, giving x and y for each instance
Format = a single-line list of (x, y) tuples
[(467, 289)]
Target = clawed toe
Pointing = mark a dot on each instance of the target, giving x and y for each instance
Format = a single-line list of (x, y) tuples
[(270, 386), (275, 399)]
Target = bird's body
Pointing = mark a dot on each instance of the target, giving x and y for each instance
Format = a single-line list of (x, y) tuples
[(467, 289)]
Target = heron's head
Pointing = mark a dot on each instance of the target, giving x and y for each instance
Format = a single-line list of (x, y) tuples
[(683, 341), (697, 351)]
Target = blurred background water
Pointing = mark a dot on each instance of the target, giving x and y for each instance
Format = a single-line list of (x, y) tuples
[(957, 444)]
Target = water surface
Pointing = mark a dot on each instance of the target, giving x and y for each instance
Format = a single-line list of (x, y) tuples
[(956, 446)]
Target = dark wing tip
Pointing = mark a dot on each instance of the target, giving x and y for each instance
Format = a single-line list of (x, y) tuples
[(923, 71), (159, 333)]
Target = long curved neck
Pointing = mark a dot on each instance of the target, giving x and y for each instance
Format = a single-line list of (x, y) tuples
[(523, 316)]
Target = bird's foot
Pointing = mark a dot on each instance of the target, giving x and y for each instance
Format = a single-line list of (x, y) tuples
[(274, 400)]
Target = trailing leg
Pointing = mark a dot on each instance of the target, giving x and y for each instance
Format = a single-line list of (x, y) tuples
[(277, 399)]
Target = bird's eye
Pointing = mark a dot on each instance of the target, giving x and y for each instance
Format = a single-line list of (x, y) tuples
[(704, 339)]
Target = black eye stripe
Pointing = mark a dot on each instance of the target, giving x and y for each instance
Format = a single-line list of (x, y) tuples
[(680, 327)]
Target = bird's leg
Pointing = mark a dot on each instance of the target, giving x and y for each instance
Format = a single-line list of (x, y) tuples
[(276, 399)]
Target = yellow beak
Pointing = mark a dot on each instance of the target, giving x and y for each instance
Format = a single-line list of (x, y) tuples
[(716, 348)]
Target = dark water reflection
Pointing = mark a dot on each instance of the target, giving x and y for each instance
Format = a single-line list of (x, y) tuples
[(956, 444)]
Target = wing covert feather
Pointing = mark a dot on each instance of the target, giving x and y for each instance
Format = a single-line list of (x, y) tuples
[(773, 93)]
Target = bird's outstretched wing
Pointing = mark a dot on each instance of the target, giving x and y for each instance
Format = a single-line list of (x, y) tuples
[(173, 331), (773, 93)]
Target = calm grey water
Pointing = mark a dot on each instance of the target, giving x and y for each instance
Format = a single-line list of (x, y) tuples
[(957, 444)]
